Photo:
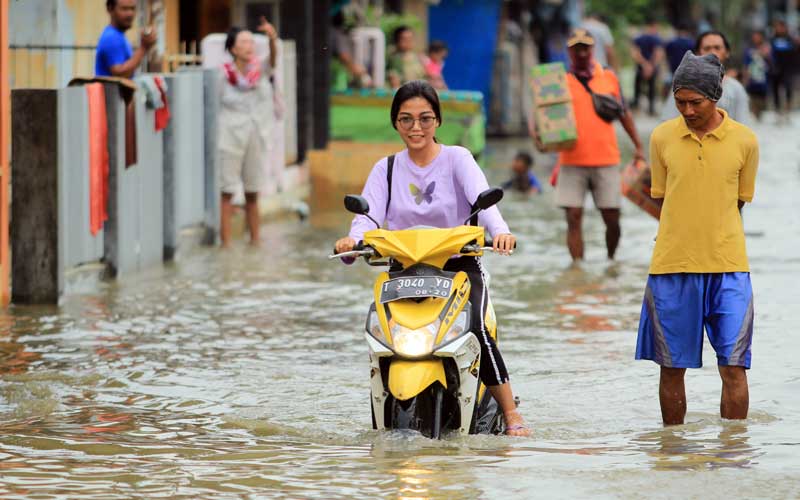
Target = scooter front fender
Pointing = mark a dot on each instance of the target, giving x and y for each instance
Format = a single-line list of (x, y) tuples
[(409, 378)]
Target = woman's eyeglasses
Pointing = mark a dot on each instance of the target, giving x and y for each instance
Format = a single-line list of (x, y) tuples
[(407, 122)]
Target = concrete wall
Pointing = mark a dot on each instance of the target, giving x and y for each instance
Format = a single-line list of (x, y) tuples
[(184, 157), (134, 234), (77, 244), (53, 22), (36, 274)]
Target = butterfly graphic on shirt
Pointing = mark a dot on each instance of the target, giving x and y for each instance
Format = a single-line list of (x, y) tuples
[(421, 195)]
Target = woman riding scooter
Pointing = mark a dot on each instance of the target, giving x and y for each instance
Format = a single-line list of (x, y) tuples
[(435, 185)]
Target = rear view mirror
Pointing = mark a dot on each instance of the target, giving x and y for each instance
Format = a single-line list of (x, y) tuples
[(489, 198), (359, 206), (356, 204)]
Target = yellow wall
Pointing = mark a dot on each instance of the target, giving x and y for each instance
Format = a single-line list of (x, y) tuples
[(48, 23)]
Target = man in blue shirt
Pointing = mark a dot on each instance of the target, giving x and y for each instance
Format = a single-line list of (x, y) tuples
[(115, 57), (648, 52), (677, 47), (522, 179)]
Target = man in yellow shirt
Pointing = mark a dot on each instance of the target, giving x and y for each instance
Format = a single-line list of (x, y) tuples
[(704, 167)]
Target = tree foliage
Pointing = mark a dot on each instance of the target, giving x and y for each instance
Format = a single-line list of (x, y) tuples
[(620, 13)]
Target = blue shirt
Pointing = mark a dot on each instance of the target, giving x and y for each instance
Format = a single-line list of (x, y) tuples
[(519, 184), (112, 49), (647, 45), (676, 49), (782, 53), (757, 69)]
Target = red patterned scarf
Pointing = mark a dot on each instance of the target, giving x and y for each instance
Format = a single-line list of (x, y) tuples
[(249, 80)]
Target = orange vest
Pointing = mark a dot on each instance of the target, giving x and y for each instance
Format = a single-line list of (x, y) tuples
[(597, 141)]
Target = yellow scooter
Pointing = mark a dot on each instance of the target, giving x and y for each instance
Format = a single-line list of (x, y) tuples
[(424, 360)]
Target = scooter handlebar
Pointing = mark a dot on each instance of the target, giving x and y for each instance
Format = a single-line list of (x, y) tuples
[(476, 248), (366, 252)]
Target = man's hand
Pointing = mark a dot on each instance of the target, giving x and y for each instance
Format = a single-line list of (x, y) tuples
[(638, 155), (267, 29), (148, 38), (537, 140)]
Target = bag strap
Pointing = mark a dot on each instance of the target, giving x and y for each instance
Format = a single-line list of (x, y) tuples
[(585, 84), (389, 169)]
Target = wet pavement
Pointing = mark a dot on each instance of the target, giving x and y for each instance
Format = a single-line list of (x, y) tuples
[(245, 373)]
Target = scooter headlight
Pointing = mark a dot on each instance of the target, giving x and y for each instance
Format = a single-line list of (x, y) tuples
[(417, 342), (457, 328), (374, 328)]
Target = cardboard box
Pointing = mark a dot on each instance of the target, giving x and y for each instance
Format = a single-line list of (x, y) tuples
[(549, 84), (555, 125), (554, 116), (636, 187)]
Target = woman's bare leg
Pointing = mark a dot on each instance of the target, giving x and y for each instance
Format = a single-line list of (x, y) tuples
[(253, 217), (226, 213)]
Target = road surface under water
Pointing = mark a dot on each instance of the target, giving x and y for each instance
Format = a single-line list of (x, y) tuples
[(245, 374)]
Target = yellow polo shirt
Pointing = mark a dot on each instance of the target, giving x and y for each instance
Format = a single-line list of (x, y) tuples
[(701, 181)]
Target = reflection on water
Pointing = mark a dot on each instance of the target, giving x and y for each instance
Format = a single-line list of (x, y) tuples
[(245, 374), (696, 447)]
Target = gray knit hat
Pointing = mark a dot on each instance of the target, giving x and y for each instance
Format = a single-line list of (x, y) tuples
[(701, 74)]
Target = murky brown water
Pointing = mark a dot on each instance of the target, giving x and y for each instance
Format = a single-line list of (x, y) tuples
[(245, 374)]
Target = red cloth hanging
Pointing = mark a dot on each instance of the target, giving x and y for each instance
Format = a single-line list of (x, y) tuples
[(98, 157), (554, 173), (162, 113)]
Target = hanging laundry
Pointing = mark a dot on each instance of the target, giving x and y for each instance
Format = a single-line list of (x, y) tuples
[(98, 157), (155, 92)]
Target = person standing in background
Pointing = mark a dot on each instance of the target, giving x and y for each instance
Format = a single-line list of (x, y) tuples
[(592, 164), (434, 64), (114, 55), (345, 71), (783, 54), (648, 52), (403, 64), (757, 65), (246, 118), (675, 49), (604, 52)]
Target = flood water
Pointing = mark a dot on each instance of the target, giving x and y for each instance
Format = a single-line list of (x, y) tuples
[(245, 373)]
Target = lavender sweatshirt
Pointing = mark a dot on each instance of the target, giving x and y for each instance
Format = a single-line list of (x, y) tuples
[(438, 195)]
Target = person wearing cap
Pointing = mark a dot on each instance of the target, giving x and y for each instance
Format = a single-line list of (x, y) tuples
[(703, 168), (592, 165)]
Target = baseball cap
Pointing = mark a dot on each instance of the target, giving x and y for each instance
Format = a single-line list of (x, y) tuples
[(579, 36)]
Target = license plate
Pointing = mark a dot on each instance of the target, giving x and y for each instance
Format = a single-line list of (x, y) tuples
[(416, 287)]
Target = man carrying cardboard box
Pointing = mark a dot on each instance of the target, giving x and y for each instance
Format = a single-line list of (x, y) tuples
[(592, 164)]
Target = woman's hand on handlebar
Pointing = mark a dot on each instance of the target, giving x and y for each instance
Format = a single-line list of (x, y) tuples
[(345, 244), (504, 243)]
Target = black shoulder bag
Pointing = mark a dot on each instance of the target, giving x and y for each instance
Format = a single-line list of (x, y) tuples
[(606, 106)]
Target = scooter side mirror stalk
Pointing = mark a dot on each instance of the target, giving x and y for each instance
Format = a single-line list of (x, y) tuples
[(359, 206), (486, 199)]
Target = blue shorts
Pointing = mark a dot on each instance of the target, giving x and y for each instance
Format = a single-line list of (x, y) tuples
[(676, 308)]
